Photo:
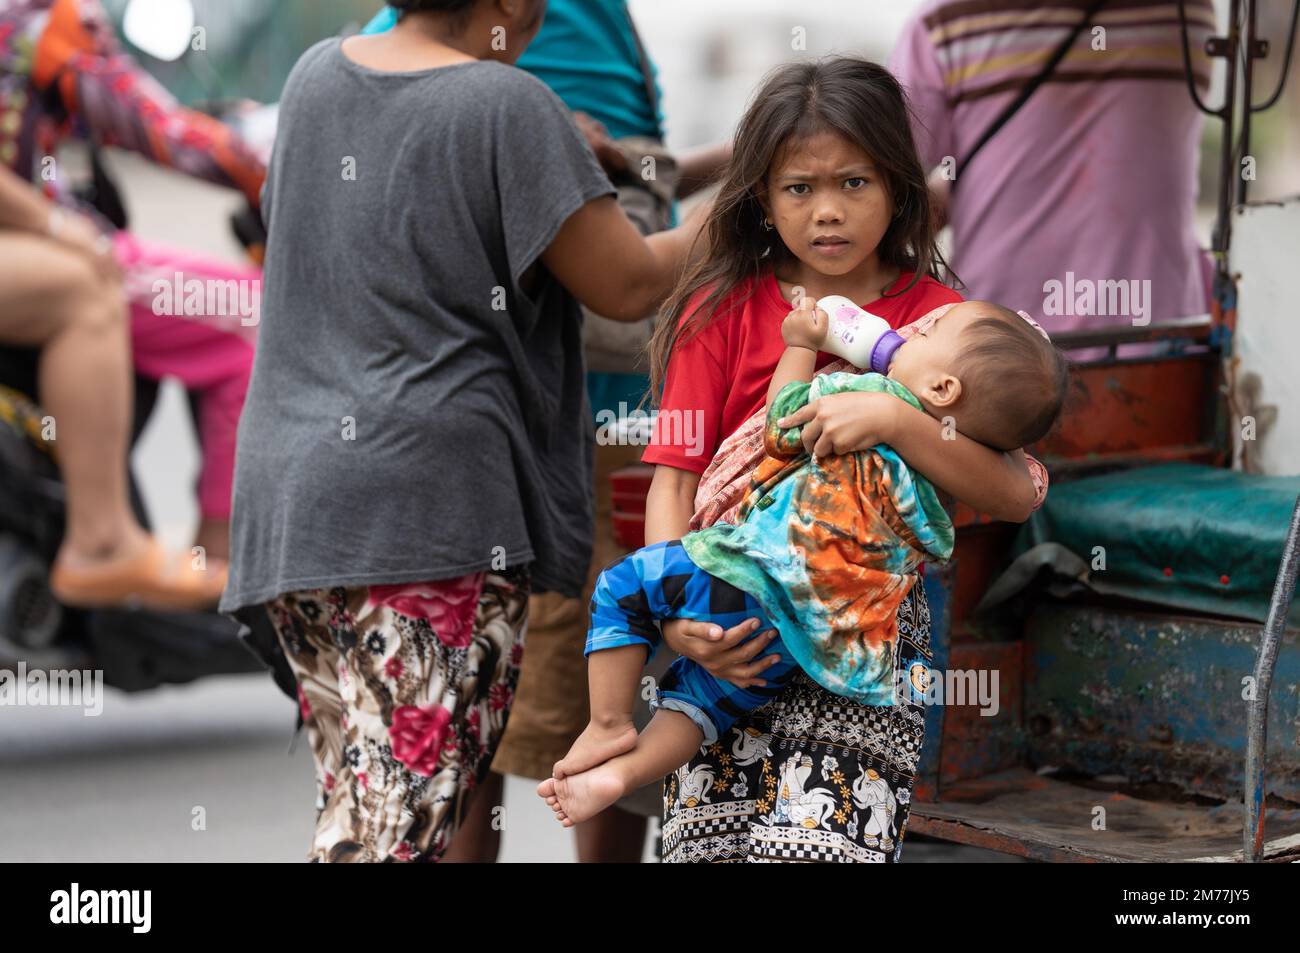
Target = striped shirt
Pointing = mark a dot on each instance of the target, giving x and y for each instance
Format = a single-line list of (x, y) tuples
[(1080, 210)]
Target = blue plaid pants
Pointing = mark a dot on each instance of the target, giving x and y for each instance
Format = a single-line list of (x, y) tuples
[(661, 582)]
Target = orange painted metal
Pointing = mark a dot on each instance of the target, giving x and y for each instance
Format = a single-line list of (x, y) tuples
[(1148, 405), (980, 737)]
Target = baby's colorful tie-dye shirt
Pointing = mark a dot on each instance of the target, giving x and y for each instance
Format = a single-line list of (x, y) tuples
[(830, 546)]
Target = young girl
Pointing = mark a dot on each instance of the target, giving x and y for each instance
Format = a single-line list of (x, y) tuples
[(824, 547), (824, 195)]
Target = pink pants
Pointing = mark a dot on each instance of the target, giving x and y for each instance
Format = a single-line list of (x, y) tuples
[(200, 333)]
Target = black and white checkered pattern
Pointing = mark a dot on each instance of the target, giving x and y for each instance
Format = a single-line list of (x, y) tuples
[(843, 749)]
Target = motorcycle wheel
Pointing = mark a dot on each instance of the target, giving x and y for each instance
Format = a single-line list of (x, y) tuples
[(30, 616)]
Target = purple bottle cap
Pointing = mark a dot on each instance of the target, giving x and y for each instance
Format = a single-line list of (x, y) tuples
[(883, 353)]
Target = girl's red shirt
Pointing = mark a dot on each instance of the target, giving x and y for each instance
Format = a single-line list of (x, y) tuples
[(718, 379)]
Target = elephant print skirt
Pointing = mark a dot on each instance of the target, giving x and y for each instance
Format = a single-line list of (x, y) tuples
[(810, 776)]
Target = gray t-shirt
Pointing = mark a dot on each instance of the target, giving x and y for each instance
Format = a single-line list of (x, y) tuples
[(414, 413)]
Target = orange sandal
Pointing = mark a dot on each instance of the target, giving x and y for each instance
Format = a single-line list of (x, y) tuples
[(155, 579)]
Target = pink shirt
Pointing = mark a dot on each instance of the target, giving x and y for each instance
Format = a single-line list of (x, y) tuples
[(1093, 180)]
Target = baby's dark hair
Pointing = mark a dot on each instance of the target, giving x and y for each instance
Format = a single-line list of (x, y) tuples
[(1014, 380)]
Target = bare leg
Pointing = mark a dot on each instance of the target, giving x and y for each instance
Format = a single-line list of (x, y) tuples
[(613, 677), (667, 743), (214, 537), (477, 842), (53, 299), (614, 836)]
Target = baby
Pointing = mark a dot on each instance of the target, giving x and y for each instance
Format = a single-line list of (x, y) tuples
[(824, 550)]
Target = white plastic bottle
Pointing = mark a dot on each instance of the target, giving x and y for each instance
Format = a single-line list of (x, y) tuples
[(863, 339)]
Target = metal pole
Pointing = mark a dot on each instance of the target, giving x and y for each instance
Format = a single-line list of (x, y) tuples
[(1247, 75), (1227, 171), (1257, 707)]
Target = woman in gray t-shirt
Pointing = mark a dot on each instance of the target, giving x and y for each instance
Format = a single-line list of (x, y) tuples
[(415, 451)]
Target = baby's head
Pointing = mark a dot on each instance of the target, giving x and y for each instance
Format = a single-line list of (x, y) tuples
[(993, 372)]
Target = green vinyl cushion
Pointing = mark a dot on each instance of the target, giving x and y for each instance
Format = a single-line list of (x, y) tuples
[(1196, 538)]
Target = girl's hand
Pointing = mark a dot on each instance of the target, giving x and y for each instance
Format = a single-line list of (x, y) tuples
[(805, 326), (844, 423), (721, 654)]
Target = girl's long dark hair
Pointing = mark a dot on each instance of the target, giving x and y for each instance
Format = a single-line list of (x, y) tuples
[(851, 97)]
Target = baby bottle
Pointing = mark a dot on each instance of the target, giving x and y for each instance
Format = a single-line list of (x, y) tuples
[(861, 338)]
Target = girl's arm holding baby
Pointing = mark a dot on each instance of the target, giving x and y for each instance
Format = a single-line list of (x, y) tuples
[(992, 482), (995, 483), (672, 501), (668, 515)]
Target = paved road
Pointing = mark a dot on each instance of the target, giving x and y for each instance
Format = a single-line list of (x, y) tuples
[(124, 786)]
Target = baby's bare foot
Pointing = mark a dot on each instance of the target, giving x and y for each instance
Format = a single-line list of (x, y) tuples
[(583, 796), (546, 790), (596, 745)]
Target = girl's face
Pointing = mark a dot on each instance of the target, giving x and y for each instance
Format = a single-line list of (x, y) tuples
[(828, 203)]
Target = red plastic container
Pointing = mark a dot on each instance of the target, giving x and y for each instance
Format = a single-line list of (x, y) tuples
[(629, 487)]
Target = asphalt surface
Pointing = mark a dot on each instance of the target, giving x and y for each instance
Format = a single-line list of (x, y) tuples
[(130, 783)]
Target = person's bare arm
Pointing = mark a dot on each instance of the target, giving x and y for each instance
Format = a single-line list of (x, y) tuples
[(940, 190), (669, 507), (803, 330), (22, 208), (698, 167), (796, 364), (608, 154), (670, 504), (995, 483), (604, 262), (990, 481)]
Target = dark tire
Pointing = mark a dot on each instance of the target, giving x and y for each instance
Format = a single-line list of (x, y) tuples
[(30, 617)]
